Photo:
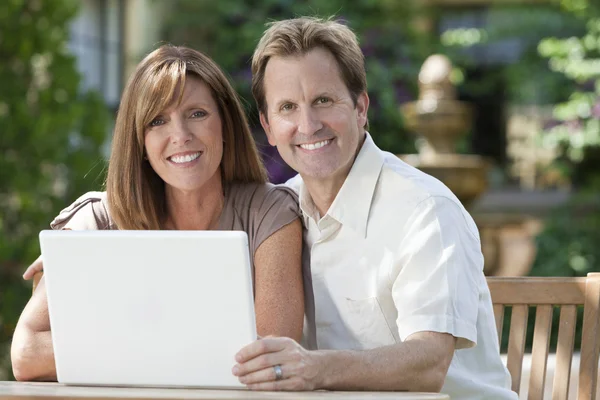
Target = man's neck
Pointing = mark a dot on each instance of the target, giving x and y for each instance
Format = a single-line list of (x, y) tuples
[(323, 193)]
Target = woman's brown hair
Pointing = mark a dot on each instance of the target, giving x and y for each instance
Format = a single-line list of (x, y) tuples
[(136, 194)]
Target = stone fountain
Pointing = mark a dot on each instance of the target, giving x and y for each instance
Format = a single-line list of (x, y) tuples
[(440, 121)]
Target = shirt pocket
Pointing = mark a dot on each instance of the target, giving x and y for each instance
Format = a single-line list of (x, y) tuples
[(368, 323)]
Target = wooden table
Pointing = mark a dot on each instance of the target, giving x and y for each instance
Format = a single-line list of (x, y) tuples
[(31, 391)]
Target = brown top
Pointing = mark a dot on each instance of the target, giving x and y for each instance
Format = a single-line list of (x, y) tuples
[(257, 209)]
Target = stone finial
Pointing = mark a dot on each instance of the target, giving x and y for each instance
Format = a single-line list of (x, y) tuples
[(434, 79)]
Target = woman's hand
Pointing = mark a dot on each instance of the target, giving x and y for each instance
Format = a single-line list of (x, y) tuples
[(34, 268)]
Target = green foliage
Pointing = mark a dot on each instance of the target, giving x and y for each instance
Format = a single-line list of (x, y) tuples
[(528, 80), (568, 245), (50, 140), (578, 59), (228, 31), (578, 7)]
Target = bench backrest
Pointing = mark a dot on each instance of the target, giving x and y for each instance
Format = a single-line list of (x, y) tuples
[(544, 293)]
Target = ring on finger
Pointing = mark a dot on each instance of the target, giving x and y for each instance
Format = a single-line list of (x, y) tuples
[(278, 372)]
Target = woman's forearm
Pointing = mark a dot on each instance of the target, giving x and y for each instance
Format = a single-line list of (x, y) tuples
[(32, 356), (32, 353)]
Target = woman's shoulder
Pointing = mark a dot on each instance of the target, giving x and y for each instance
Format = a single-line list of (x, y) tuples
[(260, 209), (88, 212), (256, 194)]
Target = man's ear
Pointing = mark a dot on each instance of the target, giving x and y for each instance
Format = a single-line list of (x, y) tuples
[(267, 128), (362, 107)]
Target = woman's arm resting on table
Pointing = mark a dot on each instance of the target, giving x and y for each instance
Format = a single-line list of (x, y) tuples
[(420, 363), (278, 289), (32, 353)]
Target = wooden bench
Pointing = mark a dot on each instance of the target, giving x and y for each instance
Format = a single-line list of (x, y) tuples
[(521, 293)]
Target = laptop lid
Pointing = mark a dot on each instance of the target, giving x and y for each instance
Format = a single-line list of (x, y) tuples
[(148, 308)]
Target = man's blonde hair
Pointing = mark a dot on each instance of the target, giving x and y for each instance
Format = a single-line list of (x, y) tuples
[(298, 36)]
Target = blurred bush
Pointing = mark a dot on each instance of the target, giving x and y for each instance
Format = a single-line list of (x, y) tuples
[(50, 139), (577, 127), (568, 245)]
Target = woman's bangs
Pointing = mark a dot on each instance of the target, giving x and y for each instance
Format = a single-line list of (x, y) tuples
[(162, 90)]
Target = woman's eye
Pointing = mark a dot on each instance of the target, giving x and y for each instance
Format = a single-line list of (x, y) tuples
[(199, 114), (156, 122)]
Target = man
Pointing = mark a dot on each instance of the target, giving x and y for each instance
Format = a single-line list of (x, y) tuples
[(401, 302)]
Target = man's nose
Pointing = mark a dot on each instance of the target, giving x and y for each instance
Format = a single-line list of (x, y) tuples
[(310, 122)]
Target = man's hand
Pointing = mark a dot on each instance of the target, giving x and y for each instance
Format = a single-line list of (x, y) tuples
[(34, 268), (300, 368)]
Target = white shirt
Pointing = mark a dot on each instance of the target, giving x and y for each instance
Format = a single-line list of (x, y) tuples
[(397, 254)]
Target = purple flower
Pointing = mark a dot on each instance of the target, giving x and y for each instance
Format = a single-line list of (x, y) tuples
[(574, 126), (277, 169), (596, 109), (403, 95)]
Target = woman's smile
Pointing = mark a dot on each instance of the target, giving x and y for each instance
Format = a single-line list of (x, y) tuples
[(186, 159)]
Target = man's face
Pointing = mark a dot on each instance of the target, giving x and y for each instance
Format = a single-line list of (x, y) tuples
[(311, 117)]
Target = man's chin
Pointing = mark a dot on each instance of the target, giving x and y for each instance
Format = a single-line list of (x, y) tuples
[(317, 173)]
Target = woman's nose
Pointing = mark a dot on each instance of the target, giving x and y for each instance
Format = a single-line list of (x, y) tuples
[(181, 133)]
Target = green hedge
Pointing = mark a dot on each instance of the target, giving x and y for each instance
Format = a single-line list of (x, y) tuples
[(50, 139)]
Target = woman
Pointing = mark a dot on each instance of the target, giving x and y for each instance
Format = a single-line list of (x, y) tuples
[(183, 158)]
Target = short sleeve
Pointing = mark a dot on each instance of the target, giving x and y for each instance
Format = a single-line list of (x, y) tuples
[(88, 212), (441, 264), (278, 208)]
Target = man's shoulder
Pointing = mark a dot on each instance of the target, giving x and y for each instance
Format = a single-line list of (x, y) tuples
[(409, 192), (401, 181), (295, 183)]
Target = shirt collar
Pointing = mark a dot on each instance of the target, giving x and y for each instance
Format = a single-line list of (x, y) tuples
[(352, 204)]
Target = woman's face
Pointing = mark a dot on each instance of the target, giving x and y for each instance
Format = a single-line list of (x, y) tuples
[(184, 143)]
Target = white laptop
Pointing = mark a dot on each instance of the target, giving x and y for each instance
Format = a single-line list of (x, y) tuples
[(148, 308)]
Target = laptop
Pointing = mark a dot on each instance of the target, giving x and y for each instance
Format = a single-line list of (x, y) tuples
[(148, 308)]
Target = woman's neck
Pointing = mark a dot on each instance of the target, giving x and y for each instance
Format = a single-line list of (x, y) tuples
[(195, 210)]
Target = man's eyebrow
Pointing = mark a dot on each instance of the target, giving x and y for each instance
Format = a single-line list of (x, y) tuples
[(281, 102), (319, 95)]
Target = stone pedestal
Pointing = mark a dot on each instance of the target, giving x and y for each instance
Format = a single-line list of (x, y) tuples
[(507, 243)]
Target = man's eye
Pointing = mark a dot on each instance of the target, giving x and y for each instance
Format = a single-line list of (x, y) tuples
[(323, 100), (287, 107)]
